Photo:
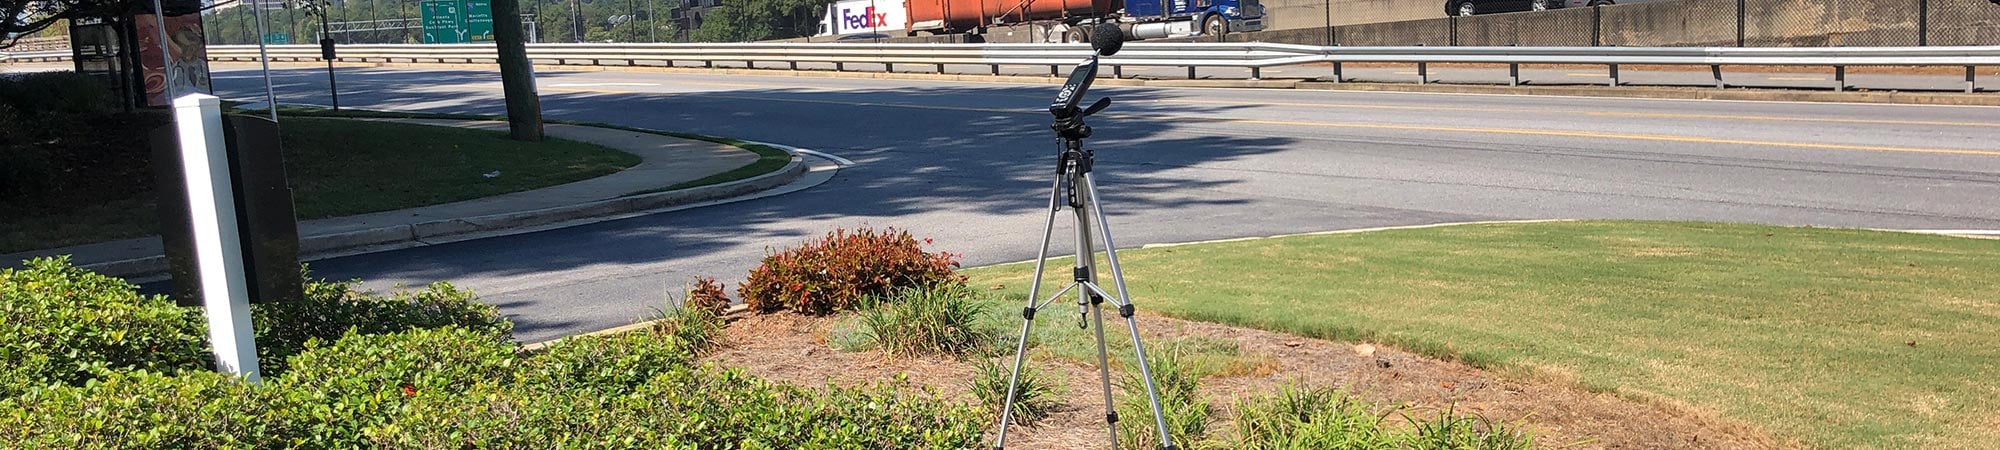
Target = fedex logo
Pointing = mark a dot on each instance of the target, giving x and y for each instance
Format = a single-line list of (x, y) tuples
[(867, 19)]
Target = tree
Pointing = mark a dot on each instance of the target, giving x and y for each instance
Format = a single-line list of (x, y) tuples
[(757, 20), (517, 75)]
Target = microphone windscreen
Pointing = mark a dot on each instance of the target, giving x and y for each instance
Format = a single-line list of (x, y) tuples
[(1106, 39)]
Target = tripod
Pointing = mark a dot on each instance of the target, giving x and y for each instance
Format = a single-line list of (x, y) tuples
[(1075, 188)]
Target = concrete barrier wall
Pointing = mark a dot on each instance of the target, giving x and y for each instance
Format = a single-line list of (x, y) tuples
[(1685, 23), (1767, 23), (1298, 14), (1964, 22), (1559, 28)]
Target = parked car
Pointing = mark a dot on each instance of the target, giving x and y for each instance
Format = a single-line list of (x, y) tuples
[(1469, 7)]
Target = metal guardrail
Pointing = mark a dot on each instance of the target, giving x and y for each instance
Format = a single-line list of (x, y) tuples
[(41, 56), (1192, 55)]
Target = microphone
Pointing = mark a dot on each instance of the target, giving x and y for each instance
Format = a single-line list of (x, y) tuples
[(1106, 39)]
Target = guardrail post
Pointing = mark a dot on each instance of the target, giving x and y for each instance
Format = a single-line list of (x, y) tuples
[(1514, 74), (1054, 71), (708, 64), (795, 65), (1191, 72), (749, 64), (889, 67), (996, 69), (1256, 73), (1614, 75), (1971, 79), (940, 68), (1117, 72), (1423, 73), (1839, 78), (840, 67), (1336, 73)]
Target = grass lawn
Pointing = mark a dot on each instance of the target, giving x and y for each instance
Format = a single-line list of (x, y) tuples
[(344, 167), (1830, 338)]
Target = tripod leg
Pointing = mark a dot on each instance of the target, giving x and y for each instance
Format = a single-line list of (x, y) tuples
[(1089, 187), (1089, 301), (1028, 314)]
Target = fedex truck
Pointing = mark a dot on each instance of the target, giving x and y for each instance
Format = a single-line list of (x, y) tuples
[(864, 16), (1137, 19)]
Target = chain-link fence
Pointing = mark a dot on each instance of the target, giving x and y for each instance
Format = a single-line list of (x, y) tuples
[(1680, 23)]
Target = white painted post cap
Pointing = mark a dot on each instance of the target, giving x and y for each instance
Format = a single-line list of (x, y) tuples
[(197, 100)]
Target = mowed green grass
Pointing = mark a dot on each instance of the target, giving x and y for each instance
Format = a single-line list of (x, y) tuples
[(347, 167), (1831, 338)]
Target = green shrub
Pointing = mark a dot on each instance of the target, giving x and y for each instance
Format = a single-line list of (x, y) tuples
[(62, 325), (941, 320), (1310, 418), (330, 310), (697, 327), (360, 381), (608, 364), (1186, 413), (835, 272), (55, 93), (1034, 397), (141, 409)]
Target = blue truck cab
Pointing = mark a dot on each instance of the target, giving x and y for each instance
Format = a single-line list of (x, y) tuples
[(1210, 16)]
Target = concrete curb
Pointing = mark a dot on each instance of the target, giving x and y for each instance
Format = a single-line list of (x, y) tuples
[(322, 246), (1643, 92)]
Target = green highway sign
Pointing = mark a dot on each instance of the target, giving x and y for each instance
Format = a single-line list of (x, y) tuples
[(457, 21), (478, 20), (277, 38)]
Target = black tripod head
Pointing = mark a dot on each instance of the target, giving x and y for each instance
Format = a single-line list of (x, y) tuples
[(1069, 119)]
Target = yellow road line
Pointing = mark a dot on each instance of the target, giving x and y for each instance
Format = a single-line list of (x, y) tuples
[(1431, 128)]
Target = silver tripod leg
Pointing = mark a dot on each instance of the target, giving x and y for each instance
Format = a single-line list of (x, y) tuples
[(1118, 278), (1086, 261), (1028, 313)]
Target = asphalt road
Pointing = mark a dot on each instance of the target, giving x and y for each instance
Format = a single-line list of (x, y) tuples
[(968, 164)]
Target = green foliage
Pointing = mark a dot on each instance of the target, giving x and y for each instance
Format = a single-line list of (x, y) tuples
[(936, 320), (141, 409), (756, 20), (330, 310), (607, 364), (450, 388), (1187, 414), (1034, 397), (698, 329), (64, 95), (1447, 431), (834, 273), (61, 325), (1310, 418), (361, 381)]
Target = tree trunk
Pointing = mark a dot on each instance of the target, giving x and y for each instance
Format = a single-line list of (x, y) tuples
[(517, 73)]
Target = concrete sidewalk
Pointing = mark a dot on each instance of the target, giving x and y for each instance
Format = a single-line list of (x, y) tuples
[(664, 161)]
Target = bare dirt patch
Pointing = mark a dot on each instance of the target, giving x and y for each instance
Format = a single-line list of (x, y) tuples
[(792, 348)]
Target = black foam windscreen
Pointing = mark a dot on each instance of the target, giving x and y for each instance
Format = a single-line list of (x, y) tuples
[(1106, 39)]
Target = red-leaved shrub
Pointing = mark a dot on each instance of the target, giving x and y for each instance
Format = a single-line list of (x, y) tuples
[(707, 294), (833, 273)]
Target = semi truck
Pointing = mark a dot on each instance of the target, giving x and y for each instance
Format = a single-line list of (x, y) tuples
[(1135, 19)]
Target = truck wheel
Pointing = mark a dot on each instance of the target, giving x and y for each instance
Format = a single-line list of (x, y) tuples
[(1079, 33), (1215, 25)]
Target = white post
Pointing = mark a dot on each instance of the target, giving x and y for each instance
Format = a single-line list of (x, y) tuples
[(218, 247)]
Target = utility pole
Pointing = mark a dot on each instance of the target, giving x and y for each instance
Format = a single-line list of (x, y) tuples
[(576, 20), (517, 73)]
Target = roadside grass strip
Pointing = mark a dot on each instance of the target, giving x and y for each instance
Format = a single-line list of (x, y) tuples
[(1833, 338)]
